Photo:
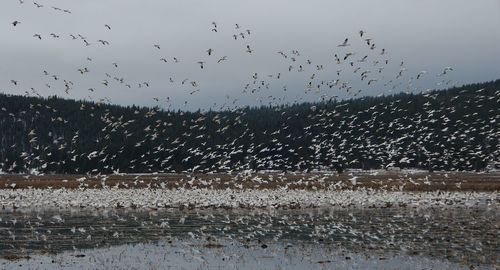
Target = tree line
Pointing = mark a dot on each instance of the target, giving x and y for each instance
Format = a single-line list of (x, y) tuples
[(453, 129)]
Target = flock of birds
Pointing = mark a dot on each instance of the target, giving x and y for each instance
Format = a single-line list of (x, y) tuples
[(328, 80), (155, 199), (372, 65), (242, 239), (429, 136)]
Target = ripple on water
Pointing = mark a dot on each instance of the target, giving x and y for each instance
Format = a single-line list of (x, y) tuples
[(467, 236)]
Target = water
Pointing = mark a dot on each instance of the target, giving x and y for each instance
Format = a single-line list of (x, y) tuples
[(454, 237)]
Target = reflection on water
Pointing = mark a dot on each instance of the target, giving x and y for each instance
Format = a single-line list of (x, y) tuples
[(226, 255), (467, 236)]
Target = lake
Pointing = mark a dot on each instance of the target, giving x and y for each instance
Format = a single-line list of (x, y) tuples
[(381, 238)]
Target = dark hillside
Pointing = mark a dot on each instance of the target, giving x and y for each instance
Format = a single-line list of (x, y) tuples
[(454, 129)]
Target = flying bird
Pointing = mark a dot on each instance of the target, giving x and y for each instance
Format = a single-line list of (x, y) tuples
[(224, 58), (344, 44)]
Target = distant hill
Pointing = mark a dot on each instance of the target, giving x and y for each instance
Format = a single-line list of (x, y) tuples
[(454, 129)]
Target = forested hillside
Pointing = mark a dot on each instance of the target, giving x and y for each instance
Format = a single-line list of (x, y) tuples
[(454, 129)]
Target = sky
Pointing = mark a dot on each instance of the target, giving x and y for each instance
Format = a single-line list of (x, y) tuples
[(417, 36)]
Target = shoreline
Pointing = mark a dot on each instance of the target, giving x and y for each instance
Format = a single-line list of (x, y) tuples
[(377, 180)]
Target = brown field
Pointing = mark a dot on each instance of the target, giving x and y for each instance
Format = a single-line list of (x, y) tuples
[(390, 180)]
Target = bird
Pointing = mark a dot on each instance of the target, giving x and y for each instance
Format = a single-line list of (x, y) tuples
[(224, 58), (420, 74), (445, 70), (347, 55), (15, 23), (201, 64), (107, 26), (344, 44)]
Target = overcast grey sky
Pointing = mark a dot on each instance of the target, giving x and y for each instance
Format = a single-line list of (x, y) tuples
[(427, 35)]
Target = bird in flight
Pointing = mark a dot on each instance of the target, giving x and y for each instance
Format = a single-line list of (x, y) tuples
[(344, 44), (224, 58), (15, 23), (201, 63), (421, 73), (445, 71)]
